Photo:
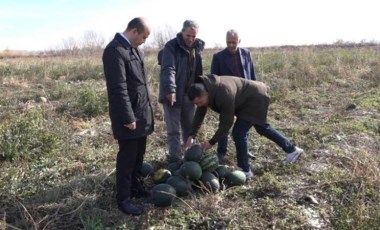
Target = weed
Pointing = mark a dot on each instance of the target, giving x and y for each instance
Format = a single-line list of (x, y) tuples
[(28, 137), (91, 102), (57, 158)]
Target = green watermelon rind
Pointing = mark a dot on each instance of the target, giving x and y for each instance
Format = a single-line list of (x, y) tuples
[(163, 195), (191, 170), (209, 162), (194, 153), (236, 178)]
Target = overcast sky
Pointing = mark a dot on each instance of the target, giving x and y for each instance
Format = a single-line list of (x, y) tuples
[(44, 24)]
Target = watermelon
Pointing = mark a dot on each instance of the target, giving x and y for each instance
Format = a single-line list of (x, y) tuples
[(163, 195), (210, 181), (174, 166), (146, 169), (161, 175), (209, 162), (191, 170), (194, 153), (236, 178), (222, 171), (180, 185)]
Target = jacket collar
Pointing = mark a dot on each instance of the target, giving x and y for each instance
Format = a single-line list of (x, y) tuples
[(198, 44), (123, 41)]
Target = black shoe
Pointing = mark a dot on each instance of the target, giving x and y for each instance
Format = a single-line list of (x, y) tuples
[(128, 208)]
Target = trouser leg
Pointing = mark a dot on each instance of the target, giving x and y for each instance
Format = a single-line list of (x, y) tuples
[(272, 134), (128, 162), (172, 115), (222, 146), (240, 134), (187, 115)]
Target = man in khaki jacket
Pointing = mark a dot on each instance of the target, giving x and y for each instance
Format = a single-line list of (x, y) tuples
[(248, 101)]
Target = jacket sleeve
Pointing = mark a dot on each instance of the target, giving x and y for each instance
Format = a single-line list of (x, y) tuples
[(253, 74), (215, 65), (226, 120), (199, 116), (168, 71)]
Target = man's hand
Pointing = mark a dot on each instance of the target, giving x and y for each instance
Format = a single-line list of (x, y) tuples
[(206, 145), (131, 126), (171, 98), (189, 142)]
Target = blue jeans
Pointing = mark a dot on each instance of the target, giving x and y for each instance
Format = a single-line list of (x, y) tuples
[(222, 146), (240, 137), (178, 118)]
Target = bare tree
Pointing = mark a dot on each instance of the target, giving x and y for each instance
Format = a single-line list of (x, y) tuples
[(92, 43), (92, 40), (161, 36), (70, 46)]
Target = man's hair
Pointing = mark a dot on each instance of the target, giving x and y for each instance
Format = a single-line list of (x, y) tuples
[(196, 90), (232, 32), (137, 23), (190, 24)]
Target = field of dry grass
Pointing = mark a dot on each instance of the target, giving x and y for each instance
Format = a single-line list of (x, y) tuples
[(57, 153)]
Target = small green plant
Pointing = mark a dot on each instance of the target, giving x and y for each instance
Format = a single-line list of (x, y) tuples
[(59, 91), (28, 137), (91, 223), (91, 103)]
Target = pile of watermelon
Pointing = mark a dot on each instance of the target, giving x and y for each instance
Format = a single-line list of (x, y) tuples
[(198, 170)]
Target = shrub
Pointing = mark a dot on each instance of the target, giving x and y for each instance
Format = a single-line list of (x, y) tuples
[(91, 103), (28, 136)]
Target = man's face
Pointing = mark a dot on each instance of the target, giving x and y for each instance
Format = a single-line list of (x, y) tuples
[(201, 101), (232, 43), (140, 38), (189, 35)]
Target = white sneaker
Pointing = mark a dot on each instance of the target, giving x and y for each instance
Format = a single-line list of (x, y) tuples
[(248, 174), (292, 157)]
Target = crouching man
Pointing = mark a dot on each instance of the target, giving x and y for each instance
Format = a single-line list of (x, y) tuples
[(248, 101)]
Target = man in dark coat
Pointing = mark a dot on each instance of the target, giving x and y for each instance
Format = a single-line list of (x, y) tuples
[(130, 109), (232, 61), (248, 101)]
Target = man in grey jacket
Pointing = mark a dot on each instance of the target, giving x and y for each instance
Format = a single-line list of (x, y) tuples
[(248, 101), (181, 65), (130, 109)]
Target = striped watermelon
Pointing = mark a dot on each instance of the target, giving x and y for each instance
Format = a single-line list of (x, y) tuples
[(209, 162)]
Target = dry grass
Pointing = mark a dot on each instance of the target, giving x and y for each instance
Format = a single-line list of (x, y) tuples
[(59, 174)]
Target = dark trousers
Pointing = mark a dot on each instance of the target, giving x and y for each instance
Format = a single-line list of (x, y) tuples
[(222, 146), (240, 134), (128, 163)]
